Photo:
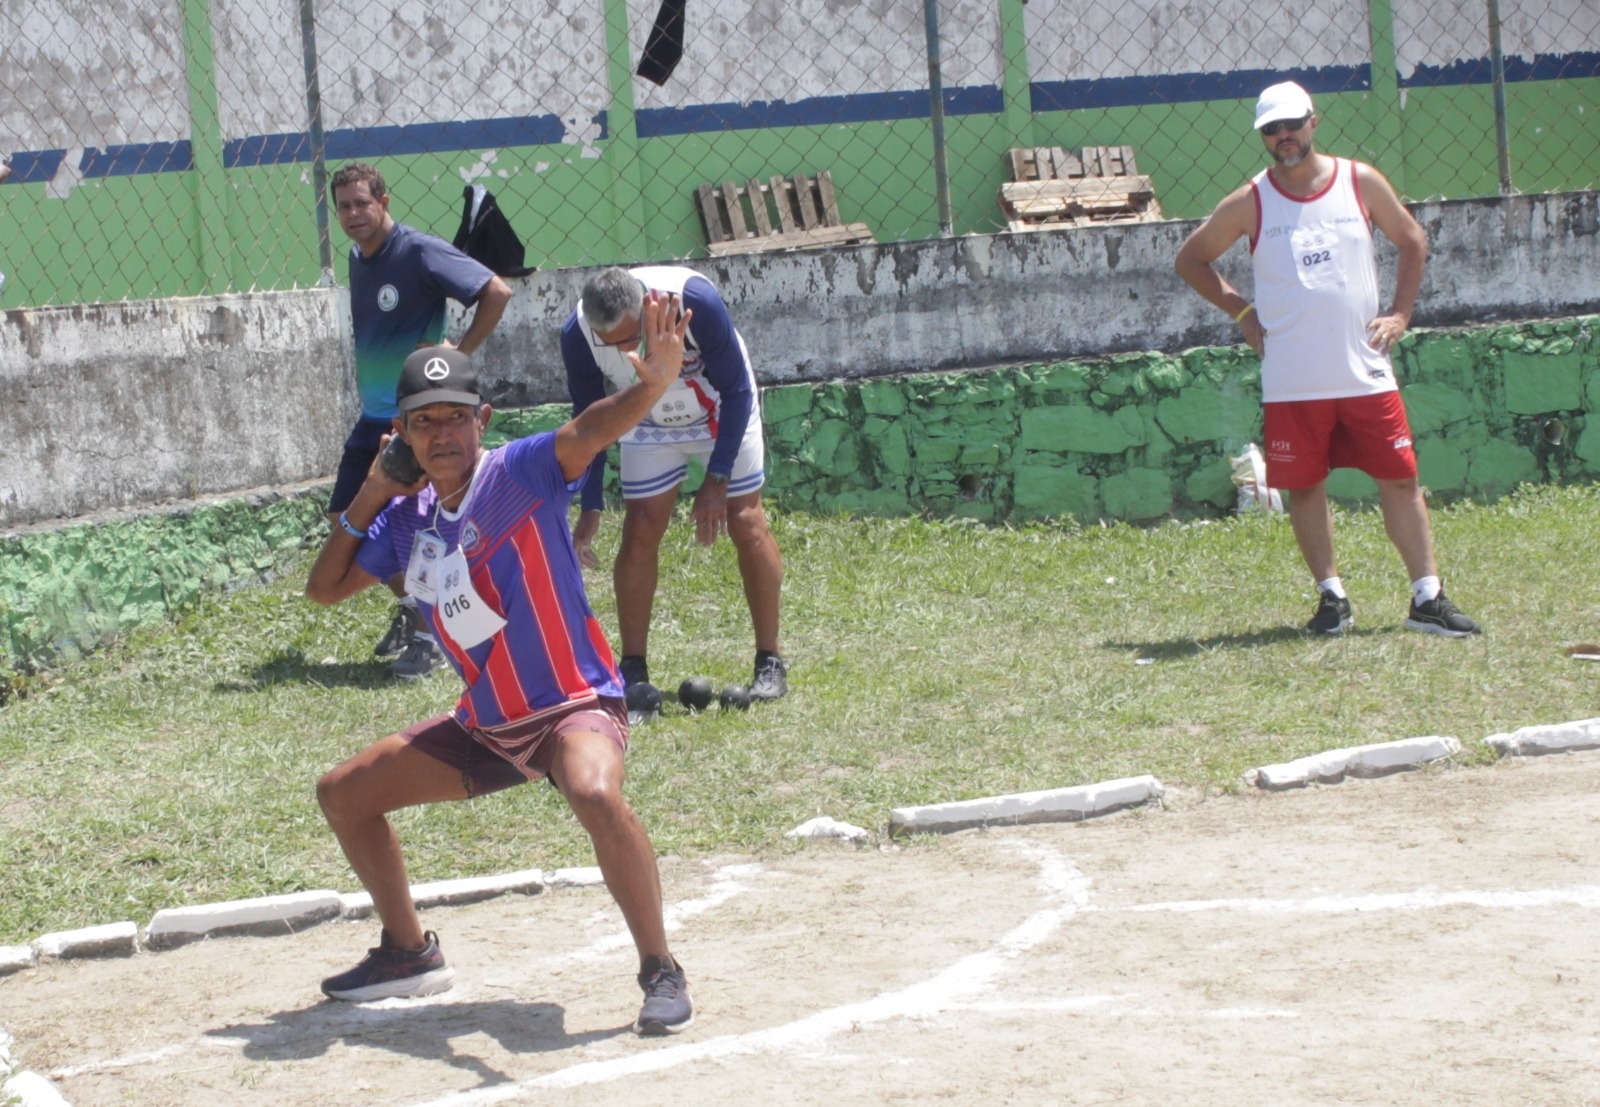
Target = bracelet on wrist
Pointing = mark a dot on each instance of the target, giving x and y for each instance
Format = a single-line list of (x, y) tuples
[(1246, 310), (350, 528)]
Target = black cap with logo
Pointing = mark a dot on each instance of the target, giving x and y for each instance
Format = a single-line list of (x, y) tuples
[(437, 375)]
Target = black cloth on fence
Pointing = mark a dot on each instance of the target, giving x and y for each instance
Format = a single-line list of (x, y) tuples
[(486, 235), (664, 48)]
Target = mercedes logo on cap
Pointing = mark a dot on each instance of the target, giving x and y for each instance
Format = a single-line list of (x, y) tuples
[(437, 369)]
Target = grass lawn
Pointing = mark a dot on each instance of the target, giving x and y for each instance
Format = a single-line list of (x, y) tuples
[(930, 661)]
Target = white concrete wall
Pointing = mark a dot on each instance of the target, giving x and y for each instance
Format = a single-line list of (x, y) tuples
[(91, 73), (1439, 32), (1069, 40), (133, 404)]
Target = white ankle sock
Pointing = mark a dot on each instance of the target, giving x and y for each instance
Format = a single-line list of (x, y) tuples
[(1424, 589), (1332, 585)]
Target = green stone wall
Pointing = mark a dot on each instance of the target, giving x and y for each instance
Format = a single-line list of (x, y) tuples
[(68, 590), (1132, 437), (1137, 437)]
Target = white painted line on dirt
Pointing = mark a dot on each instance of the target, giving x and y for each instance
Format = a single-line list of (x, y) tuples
[(947, 990), (1587, 896), (726, 882), (1375, 759), (125, 1062)]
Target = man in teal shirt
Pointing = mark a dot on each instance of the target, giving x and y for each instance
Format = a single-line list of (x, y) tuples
[(400, 279)]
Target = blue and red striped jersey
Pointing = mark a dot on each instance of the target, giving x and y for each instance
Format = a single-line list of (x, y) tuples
[(513, 530)]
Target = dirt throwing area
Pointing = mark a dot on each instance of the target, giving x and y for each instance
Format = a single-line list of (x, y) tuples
[(1422, 939)]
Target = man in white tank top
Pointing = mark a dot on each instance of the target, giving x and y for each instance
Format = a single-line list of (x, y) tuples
[(1329, 395)]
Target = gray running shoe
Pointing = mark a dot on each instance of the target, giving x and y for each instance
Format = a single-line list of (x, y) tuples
[(1440, 616), (667, 1007), (387, 971), (405, 623), (421, 657), (771, 680), (1332, 616)]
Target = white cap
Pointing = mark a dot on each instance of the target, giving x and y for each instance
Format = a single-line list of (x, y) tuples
[(1282, 102)]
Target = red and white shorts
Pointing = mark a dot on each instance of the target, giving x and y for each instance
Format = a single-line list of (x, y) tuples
[(1306, 439)]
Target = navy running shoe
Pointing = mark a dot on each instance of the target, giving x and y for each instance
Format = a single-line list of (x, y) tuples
[(388, 971)]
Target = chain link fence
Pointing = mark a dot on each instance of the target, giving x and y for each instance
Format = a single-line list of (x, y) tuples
[(182, 147)]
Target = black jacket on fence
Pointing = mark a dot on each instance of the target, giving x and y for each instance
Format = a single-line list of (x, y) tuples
[(486, 235)]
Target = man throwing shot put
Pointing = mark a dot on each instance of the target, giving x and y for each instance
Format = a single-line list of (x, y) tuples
[(400, 279), (483, 542), (1327, 384), (711, 414)]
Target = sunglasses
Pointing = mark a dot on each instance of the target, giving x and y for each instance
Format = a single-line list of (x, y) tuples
[(1270, 130)]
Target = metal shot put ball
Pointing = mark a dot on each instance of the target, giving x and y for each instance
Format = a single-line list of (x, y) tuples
[(736, 696), (695, 693), (643, 698)]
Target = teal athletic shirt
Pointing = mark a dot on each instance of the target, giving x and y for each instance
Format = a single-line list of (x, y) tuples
[(397, 302)]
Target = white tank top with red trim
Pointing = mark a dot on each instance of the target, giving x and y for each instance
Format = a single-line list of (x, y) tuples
[(1316, 291)]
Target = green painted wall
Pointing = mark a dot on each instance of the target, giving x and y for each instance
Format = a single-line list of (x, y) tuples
[(1134, 437)]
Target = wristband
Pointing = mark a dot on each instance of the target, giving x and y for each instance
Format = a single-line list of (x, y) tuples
[(1246, 310), (349, 528)]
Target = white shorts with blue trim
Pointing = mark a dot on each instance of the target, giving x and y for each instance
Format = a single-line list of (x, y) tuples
[(651, 468)]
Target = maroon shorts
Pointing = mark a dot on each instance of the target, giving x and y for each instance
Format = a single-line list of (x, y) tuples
[(1308, 438), (500, 757)]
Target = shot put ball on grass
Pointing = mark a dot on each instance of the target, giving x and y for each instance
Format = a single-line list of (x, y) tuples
[(736, 696), (695, 693), (644, 700)]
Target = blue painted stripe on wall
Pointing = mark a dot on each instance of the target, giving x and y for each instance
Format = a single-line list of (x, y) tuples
[(1477, 71), (137, 157), (35, 166), (414, 138), (267, 150), (815, 111), (426, 138), (1183, 88)]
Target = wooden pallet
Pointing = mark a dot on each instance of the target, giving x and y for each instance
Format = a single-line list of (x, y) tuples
[(1052, 187), (781, 213)]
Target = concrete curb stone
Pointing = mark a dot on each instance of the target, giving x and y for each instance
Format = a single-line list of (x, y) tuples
[(118, 939), (264, 915), (444, 893), (1375, 759), (16, 958), (1531, 741), (1054, 805)]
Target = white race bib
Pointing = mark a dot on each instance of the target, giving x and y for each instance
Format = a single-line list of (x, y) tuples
[(465, 615), (678, 408), (1316, 256)]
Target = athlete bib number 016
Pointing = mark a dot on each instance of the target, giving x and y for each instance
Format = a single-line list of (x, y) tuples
[(444, 581)]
